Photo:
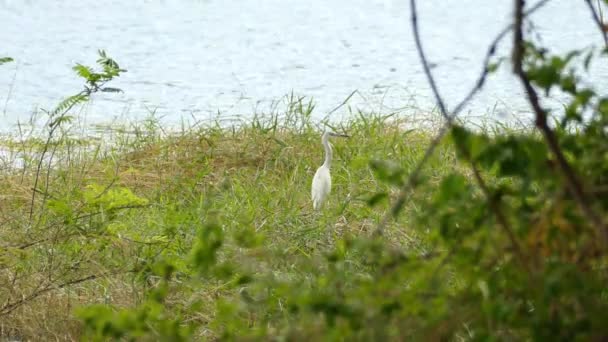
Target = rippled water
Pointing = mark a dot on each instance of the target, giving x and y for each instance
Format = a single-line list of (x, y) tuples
[(189, 58)]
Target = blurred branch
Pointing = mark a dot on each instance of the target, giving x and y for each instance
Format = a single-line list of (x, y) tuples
[(413, 177), (574, 185), (494, 205), (598, 21)]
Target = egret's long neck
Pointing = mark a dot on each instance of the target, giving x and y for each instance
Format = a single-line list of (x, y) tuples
[(328, 151)]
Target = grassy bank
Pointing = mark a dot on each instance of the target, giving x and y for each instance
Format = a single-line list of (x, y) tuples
[(208, 233), (108, 212)]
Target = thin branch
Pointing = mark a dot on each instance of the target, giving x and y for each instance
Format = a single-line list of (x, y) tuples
[(574, 185), (341, 104), (598, 21), (489, 54), (37, 242), (39, 167), (112, 210), (10, 307), (43, 193), (425, 64)]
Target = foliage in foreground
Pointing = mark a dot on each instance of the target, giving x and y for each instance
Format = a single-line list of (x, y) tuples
[(209, 233)]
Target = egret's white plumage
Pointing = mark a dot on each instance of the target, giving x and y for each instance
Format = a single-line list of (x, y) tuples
[(321, 182)]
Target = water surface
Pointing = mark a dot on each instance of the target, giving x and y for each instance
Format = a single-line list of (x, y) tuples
[(194, 58)]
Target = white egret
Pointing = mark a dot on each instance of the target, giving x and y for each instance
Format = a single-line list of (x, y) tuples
[(321, 182)]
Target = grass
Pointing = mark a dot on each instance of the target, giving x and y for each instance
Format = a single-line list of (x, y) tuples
[(107, 210)]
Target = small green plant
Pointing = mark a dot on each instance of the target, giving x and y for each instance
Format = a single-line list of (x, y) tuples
[(94, 82), (62, 219)]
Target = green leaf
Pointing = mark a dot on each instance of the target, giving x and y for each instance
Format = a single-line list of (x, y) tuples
[(544, 76), (587, 60), (83, 71), (4, 60), (68, 103), (570, 55), (568, 84)]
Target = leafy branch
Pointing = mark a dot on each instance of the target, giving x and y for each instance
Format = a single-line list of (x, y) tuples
[(574, 185)]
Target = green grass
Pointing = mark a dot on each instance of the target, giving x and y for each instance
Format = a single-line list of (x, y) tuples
[(109, 209)]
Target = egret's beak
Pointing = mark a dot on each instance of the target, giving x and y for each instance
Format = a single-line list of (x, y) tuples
[(340, 135)]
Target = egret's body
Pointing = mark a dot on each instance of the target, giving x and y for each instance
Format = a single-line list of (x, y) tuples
[(321, 182)]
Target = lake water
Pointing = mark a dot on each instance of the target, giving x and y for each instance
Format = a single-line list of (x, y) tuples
[(194, 58)]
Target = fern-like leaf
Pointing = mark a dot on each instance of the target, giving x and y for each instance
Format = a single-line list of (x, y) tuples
[(61, 119), (83, 71), (68, 103)]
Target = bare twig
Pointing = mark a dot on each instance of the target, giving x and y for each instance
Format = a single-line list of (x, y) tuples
[(47, 181), (598, 21), (341, 104), (37, 242), (10, 307), (115, 209), (574, 185)]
